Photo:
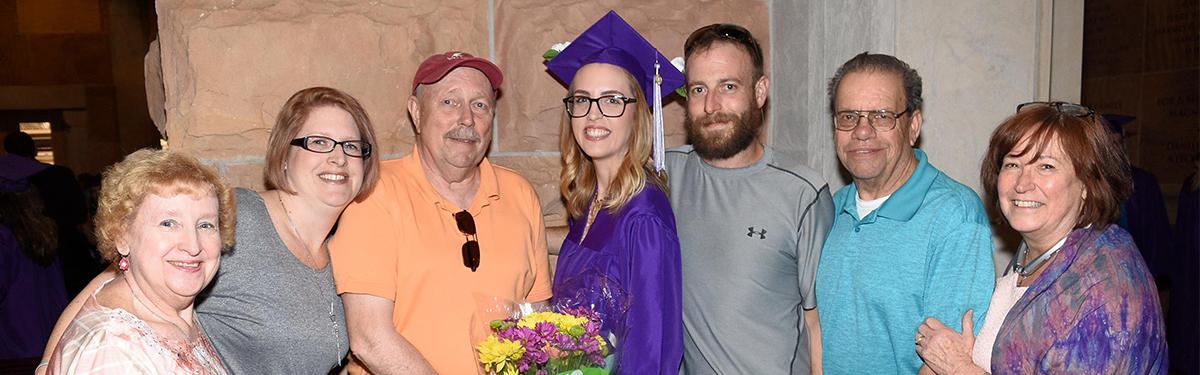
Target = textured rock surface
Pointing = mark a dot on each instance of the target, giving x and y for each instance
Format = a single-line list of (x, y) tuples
[(227, 67), (247, 174), (531, 111)]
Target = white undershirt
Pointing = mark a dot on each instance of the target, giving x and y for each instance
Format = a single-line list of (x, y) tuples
[(866, 207)]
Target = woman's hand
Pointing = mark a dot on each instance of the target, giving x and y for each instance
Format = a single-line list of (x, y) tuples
[(946, 351)]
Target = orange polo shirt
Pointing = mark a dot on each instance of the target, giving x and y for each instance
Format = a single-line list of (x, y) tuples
[(402, 243)]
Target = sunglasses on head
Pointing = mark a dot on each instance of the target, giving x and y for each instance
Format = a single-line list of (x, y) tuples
[(1066, 108), (470, 249)]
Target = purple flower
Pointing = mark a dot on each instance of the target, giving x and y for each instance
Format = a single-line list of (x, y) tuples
[(545, 329), (538, 356), (592, 328)]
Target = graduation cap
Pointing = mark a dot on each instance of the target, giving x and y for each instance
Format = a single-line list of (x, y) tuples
[(16, 170), (1116, 123), (611, 40)]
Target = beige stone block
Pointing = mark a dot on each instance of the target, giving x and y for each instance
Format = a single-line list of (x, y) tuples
[(243, 174), (542, 173), (531, 107), (227, 67)]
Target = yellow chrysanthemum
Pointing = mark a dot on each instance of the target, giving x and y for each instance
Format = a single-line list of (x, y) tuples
[(500, 356), (564, 322), (603, 344)]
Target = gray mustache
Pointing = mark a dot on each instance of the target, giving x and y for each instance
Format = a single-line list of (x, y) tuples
[(463, 133)]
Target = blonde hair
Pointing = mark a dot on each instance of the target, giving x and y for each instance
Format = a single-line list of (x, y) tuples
[(578, 178), (144, 172)]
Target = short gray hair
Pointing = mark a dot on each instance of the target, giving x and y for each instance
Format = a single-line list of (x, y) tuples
[(868, 62)]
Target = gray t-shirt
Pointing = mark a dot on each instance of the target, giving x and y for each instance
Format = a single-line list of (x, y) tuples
[(266, 312), (750, 239)]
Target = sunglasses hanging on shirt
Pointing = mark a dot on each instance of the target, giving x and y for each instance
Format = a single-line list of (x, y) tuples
[(470, 249)]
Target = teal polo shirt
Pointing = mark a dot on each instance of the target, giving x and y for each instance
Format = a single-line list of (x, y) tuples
[(927, 251)]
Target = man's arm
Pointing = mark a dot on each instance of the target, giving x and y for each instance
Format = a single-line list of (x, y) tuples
[(813, 320), (816, 221), (961, 274), (374, 340), (541, 293)]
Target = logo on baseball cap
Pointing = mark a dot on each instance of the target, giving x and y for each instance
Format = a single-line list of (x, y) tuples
[(437, 66)]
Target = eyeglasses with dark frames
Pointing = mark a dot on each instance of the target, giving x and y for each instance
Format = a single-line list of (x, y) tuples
[(470, 249), (610, 105), (325, 145), (1066, 108), (882, 120)]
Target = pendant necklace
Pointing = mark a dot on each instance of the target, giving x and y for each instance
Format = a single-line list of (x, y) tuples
[(287, 214)]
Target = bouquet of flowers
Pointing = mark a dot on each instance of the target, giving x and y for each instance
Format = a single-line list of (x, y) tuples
[(545, 343)]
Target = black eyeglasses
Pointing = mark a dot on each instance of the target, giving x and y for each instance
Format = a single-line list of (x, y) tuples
[(325, 145), (610, 105), (882, 120), (470, 249), (1066, 108)]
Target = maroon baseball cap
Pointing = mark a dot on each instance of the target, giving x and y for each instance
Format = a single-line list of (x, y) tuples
[(437, 66)]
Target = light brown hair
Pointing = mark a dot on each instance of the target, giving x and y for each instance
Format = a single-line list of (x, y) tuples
[(144, 172), (292, 117), (578, 177), (1099, 161)]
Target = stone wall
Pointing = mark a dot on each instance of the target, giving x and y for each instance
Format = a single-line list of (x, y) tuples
[(227, 67)]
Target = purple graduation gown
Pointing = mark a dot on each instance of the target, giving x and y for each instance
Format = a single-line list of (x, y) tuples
[(628, 269)]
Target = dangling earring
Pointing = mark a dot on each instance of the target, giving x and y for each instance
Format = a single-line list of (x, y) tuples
[(123, 264)]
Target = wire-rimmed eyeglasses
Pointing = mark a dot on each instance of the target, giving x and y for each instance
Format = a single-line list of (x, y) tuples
[(882, 119)]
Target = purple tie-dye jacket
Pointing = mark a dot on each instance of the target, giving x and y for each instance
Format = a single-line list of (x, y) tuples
[(1094, 310)]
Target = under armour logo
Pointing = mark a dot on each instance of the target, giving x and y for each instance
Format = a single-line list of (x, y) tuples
[(762, 234), (455, 56)]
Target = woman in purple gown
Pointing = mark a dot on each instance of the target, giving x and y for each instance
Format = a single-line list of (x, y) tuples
[(621, 256)]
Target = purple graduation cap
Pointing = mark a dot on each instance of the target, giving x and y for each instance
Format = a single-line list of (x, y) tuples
[(1116, 123), (611, 40)]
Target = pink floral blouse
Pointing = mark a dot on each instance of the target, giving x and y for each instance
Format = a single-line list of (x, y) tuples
[(101, 340)]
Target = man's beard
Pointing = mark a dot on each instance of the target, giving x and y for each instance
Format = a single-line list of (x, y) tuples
[(725, 144)]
